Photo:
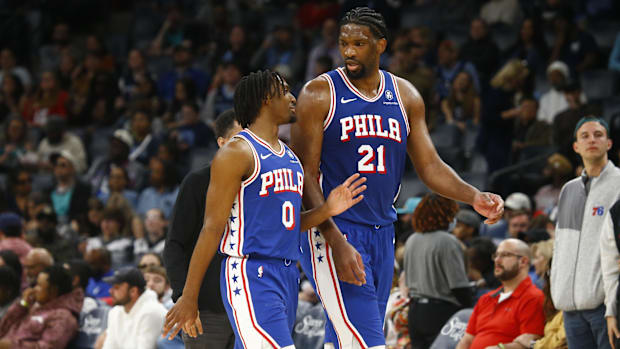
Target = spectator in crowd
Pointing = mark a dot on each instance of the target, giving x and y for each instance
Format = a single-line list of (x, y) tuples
[(156, 227), (48, 99), (327, 46), (238, 49), (16, 148), (555, 335), (144, 139), (573, 45), (157, 280), (11, 93), (434, 274), (171, 32), (99, 173), (185, 226), (280, 49), (518, 223), (150, 259), (481, 50), (513, 314), (46, 316), (163, 190), (135, 72), (184, 92), (36, 260), (70, 195), (530, 46), (190, 131), (501, 12), (50, 54), (19, 189), (93, 315), (309, 329), (183, 60), (499, 106), (100, 261), (11, 235), (514, 202), (118, 185), (137, 318), (47, 236), (554, 101), (448, 67), (37, 200), (11, 259), (559, 170), (529, 133), (462, 106), (610, 267), (58, 139), (9, 288), (542, 252), (95, 45), (480, 265), (576, 279), (564, 123), (404, 219), (221, 92), (64, 72), (614, 56), (112, 239), (466, 227), (8, 66)]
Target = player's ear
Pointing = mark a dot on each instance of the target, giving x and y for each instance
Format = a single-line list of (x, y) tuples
[(381, 45)]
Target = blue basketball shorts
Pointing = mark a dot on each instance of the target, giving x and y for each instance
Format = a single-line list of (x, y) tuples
[(260, 297), (355, 313)]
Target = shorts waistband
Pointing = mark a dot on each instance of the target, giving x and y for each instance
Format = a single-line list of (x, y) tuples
[(287, 262), (340, 222)]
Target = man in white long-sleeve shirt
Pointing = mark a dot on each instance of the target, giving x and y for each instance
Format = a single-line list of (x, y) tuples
[(610, 257), (137, 318)]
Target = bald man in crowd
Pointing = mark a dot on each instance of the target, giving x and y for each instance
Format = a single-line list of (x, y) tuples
[(36, 260), (512, 315)]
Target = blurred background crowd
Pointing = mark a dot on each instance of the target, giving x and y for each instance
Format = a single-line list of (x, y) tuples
[(105, 106)]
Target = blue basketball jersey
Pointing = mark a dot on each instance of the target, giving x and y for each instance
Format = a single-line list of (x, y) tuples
[(264, 219), (369, 136)]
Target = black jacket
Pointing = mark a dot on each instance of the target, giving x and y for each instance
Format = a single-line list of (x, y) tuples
[(187, 219)]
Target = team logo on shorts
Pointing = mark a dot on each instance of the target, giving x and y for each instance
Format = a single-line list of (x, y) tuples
[(388, 95), (260, 271)]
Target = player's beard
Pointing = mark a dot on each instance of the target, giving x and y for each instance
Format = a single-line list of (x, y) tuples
[(358, 74), (507, 273)]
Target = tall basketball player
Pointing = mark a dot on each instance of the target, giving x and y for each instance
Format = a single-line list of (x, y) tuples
[(253, 216), (359, 118)]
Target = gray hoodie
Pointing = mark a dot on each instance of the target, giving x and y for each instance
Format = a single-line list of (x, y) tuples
[(576, 278)]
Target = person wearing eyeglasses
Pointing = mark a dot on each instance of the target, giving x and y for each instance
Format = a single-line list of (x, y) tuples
[(511, 316)]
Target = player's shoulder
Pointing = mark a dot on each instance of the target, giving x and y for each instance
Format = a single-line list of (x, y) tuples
[(316, 87), (238, 148)]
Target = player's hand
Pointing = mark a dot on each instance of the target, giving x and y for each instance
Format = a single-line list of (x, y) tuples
[(489, 205), (182, 315), (195, 328), (346, 195), (612, 330), (349, 264)]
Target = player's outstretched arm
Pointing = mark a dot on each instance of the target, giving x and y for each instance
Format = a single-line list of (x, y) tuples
[(435, 173), (307, 141), (232, 163), (339, 200)]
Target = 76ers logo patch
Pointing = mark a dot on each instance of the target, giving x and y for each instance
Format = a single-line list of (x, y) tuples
[(598, 210), (388, 95)]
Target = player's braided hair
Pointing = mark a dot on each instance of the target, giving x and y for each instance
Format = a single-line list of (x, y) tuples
[(433, 213), (252, 91), (367, 17)]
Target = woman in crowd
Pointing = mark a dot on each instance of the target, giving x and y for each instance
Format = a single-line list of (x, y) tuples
[(542, 252), (49, 99), (434, 270), (11, 92)]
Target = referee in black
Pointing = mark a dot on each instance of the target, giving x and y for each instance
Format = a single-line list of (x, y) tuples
[(187, 219)]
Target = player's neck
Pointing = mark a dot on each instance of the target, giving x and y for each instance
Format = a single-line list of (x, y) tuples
[(368, 85), (266, 130)]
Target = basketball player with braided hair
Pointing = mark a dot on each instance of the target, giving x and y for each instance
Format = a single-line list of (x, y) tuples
[(253, 217), (358, 118), (434, 270)]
